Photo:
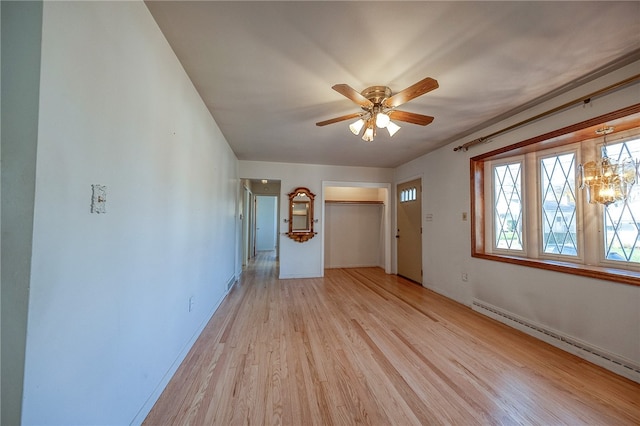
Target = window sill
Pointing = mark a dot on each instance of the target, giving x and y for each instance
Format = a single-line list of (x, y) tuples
[(610, 274)]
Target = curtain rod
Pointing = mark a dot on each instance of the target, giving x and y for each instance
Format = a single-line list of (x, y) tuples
[(584, 100)]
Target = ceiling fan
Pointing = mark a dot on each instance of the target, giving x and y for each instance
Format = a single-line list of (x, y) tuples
[(379, 107)]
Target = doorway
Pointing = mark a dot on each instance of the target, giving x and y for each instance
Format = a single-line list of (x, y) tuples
[(344, 207), (254, 192), (409, 231), (266, 222)]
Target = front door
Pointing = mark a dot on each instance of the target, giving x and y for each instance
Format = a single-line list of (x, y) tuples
[(409, 234)]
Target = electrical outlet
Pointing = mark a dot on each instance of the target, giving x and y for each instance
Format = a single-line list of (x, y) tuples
[(465, 277)]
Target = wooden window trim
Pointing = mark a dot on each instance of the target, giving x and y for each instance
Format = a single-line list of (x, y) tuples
[(622, 119)]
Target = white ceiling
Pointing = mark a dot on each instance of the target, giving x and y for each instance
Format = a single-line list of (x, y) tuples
[(265, 69)]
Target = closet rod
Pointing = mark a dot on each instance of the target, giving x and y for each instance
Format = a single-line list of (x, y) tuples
[(352, 202), (584, 100)]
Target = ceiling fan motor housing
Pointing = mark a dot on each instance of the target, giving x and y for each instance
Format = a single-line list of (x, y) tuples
[(376, 94)]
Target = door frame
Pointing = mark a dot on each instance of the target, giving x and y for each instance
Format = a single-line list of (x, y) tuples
[(247, 224)]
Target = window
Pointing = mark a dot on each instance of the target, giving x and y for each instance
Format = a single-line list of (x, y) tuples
[(409, 194), (507, 206), (557, 206), (622, 220), (527, 207)]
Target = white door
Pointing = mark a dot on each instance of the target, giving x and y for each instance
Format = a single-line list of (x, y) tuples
[(266, 222)]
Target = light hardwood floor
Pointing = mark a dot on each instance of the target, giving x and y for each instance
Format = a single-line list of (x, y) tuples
[(362, 347)]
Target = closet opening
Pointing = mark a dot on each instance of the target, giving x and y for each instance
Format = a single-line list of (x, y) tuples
[(356, 219)]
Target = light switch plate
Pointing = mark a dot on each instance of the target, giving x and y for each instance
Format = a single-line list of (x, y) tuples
[(99, 199)]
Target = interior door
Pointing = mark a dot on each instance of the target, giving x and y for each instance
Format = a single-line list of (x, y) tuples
[(409, 234), (266, 221)]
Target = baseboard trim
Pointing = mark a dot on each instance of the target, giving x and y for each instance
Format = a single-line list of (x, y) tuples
[(153, 398), (368, 265), (614, 363), (294, 276), (231, 282)]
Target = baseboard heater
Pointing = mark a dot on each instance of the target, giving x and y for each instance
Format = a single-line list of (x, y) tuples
[(598, 356)]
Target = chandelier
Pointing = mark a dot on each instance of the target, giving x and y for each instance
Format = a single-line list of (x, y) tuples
[(604, 180)]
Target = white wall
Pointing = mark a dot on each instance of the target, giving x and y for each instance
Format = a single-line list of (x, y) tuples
[(21, 26), (301, 260), (109, 313), (603, 314), (353, 235)]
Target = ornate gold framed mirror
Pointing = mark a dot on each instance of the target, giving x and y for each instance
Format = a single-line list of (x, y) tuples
[(301, 220)]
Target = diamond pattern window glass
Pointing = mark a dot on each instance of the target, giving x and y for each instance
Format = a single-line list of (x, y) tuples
[(622, 219), (507, 203), (558, 205), (528, 207)]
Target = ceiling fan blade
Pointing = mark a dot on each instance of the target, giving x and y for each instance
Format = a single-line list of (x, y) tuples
[(411, 117), (349, 92), (420, 88), (341, 118)]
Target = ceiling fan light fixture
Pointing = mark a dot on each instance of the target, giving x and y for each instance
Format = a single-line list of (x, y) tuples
[(369, 134), (392, 128), (382, 120), (379, 105), (356, 126)]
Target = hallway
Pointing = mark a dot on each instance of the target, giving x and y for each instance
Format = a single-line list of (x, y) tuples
[(362, 347)]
